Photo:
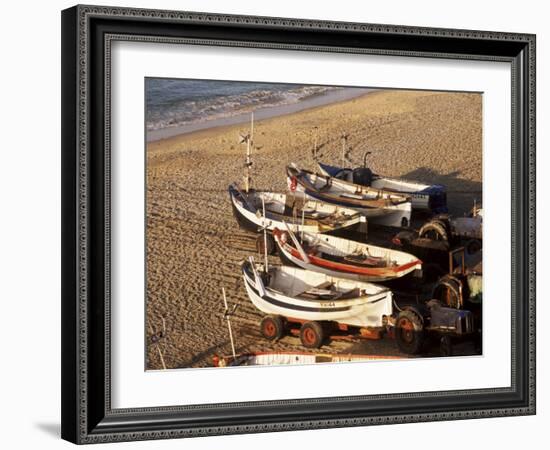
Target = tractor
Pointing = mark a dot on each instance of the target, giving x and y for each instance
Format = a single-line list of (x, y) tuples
[(453, 312), (466, 231)]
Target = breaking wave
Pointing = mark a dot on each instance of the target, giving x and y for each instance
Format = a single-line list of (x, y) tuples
[(172, 103)]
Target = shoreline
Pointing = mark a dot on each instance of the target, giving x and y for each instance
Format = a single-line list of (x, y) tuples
[(264, 113)]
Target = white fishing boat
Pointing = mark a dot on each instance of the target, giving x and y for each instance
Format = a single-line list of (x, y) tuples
[(378, 206), (339, 257), (297, 210), (291, 358), (427, 197), (316, 297)]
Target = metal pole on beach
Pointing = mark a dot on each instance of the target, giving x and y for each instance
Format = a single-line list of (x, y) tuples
[(226, 314), (249, 142), (343, 151), (265, 234), (156, 338)]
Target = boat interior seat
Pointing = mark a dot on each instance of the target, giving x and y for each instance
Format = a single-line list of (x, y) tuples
[(367, 260), (312, 214), (323, 290), (351, 293), (331, 219)]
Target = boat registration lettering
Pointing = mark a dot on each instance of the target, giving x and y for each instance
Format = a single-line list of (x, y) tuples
[(328, 304)]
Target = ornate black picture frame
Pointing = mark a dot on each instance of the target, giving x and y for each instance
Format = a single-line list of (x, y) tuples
[(87, 34)]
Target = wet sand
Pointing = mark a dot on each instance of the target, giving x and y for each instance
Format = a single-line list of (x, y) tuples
[(194, 246), (260, 113)]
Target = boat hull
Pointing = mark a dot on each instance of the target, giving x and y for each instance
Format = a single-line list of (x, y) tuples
[(290, 255), (251, 219), (365, 311), (292, 358), (424, 197), (379, 207), (397, 216)]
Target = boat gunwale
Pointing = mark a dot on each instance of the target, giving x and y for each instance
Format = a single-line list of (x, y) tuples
[(440, 188), (364, 202), (366, 298), (336, 220), (341, 267)]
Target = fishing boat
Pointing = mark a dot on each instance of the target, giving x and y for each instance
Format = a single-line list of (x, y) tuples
[(291, 358), (339, 257), (249, 209), (380, 207), (427, 197), (315, 297)]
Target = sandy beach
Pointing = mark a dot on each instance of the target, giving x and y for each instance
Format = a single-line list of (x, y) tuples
[(194, 246)]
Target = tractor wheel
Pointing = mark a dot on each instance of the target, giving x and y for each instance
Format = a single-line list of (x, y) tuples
[(312, 335), (271, 245), (272, 327), (473, 246), (409, 332), (434, 230), (448, 291)]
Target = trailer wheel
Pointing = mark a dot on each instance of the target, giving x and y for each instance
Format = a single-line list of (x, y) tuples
[(434, 230), (409, 332), (271, 246), (272, 327), (312, 335)]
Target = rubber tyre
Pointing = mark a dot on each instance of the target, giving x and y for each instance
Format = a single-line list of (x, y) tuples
[(473, 246), (312, 335), (434, 230), (272, 327), (409, 332), (451, 285), (271, 245)]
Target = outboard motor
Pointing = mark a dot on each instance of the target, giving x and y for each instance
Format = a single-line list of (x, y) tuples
[(362, 176)]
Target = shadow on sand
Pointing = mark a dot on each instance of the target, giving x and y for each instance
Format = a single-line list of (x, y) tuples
[(200, 357), (461, 193)]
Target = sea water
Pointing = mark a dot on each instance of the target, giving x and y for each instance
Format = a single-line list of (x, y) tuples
[(175, 106)]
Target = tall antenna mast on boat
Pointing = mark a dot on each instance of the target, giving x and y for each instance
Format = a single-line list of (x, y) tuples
[(303, 213), (249, 139), (344, 145), (265, 235), (315, 143)]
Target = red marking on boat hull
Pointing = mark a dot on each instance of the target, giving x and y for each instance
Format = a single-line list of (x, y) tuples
[(380, 272)]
